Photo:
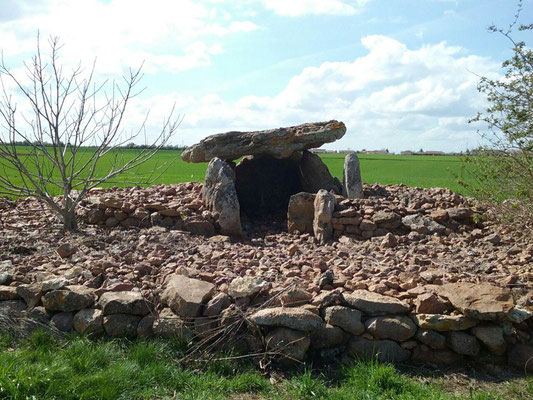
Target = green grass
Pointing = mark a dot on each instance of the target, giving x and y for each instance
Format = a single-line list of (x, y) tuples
[(41, 367), (421, 171)]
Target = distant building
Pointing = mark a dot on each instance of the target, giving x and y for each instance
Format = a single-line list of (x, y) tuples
[(382, 151), (422, 153), (322, 151), (346, 151)]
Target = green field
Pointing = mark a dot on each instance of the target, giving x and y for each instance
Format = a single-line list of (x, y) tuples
[(421, 171), (43, 367)]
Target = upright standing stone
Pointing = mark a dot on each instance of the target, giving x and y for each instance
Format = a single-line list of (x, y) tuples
[(352, 177), (316, 175), (324, 207), (220, 196), (301, 213)]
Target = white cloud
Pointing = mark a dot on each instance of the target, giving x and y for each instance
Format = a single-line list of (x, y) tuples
[(170, 35), (294, 8), (393, 97)]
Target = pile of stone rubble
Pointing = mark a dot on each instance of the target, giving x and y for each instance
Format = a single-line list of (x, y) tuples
[(399, 273)]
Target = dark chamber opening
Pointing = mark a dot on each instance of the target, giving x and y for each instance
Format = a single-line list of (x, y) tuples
[(265, 184)]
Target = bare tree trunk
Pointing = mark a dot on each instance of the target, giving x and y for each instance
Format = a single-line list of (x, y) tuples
[(72, 136), (70, 222)]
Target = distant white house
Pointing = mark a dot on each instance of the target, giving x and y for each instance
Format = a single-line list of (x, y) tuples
[(423, 153), (382, 151)]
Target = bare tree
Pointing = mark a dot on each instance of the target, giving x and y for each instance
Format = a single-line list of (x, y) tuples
[(72, 130)]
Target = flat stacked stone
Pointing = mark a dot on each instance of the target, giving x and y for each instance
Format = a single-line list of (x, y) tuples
[(279, 143)]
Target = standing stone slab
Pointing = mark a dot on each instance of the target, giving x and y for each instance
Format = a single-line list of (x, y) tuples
[(316, 175), (279, 143), (301, 213), (324, 207), (352, 177), (220, 196), (185, 296)]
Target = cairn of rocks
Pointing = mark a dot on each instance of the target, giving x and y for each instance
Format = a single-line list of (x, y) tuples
[(446, 325), (390, 272)]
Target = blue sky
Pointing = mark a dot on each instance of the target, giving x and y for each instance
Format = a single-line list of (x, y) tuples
[(401, 74)]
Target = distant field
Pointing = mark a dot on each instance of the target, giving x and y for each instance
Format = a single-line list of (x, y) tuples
[(422, 171)]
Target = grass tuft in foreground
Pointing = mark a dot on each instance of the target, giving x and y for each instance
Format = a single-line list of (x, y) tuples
[(79, 368)]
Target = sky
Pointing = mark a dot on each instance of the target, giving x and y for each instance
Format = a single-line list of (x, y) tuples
[(401, 74)]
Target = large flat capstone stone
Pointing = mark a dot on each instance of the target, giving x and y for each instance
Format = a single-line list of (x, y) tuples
[(279, 143), (185, 296)]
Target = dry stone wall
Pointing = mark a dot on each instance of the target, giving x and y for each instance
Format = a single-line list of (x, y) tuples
[(453, 323), (172, 206), (388, 213)]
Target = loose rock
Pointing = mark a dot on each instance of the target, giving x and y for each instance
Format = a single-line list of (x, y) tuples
[(375, 304), (293, 318), (398, 328), (185, 296)]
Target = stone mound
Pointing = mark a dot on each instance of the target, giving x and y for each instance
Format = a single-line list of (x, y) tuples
[(438, 297)]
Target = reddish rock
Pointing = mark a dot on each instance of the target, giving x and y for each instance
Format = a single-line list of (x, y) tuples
[(74, 298), (66, 250), (430, 303), (185, 296), (481, 301), (124, 303)]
